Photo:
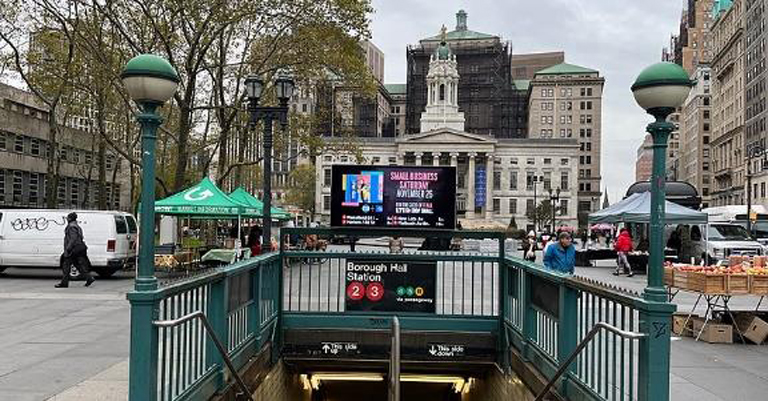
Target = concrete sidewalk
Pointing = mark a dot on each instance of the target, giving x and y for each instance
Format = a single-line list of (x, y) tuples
[(109, 385)]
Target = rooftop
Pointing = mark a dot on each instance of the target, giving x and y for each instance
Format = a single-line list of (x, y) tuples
[(565, 68), (396, 89), (461, 32), (522, 84)]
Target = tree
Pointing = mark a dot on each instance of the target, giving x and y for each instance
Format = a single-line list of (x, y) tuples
[(301, 190), (542, 215)]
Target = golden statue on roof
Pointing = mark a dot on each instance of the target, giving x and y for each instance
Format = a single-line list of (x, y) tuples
[(443, 33)]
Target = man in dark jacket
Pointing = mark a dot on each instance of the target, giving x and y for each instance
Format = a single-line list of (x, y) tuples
[(75, 253)]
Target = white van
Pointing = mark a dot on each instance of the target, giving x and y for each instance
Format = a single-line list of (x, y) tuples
[(35, 238), (737, 214)]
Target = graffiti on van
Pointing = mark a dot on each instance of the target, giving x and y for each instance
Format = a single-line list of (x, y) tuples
[(37, 223)]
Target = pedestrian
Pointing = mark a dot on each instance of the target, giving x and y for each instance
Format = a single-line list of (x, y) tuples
[(75, 253), (561, 255), (529, 247), (254, 240), (396, 245), (623, 247)]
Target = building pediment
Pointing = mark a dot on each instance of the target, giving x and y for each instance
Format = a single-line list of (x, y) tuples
[(443, 136)]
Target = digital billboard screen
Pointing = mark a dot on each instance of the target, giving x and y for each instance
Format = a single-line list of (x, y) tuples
[(393, 196)]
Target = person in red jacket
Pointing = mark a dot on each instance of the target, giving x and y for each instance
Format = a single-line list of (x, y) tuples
[(623, 247)]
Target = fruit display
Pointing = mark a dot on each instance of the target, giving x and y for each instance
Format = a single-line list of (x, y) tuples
[(743, 275)]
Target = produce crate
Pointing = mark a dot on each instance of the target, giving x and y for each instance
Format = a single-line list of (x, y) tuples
[(669, 276), (758, 284), (682, 279), (708, 283), (738, 283), (713, 332)]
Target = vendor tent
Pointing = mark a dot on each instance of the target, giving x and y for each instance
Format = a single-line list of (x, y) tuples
[(242, 196), (204, 200), (637, 209)]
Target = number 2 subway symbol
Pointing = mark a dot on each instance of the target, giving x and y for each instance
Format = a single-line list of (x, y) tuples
[(659, 329)]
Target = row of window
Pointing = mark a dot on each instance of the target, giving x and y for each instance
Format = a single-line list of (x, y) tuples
[(565, 92), (37, 147), (392, 160), (27, 189)]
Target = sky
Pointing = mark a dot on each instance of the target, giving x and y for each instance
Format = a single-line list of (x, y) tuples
[(616, 37)]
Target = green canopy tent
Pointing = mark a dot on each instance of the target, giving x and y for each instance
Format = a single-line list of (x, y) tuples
[(242, 196), (205, 200)]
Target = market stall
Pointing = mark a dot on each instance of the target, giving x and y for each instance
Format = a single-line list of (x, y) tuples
[(716, 285), (636, 209), (206, 201)]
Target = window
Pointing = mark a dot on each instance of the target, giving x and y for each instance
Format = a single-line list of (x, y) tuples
[(543, 92), (18, 181), (529, 180), (706, 114), (564, 178), (543, 119), (34, 188), (547, 180), (589, 118), (589, 132), (547, 160), (705, 166), (563, 207), (706, 127), (706, 139), (513, 161), (513, 180), (563, 162), (706, 101), (589, 159), (393, 161), (582, 119), (376, 160), (496, 205), (588, 187), (589, 105), (589, 146), (327, 177), (512, 206), (327, 202), (3, 141), (530, 161), (762, 190), (328, 158), (304, 108), (583, 91), (529, 206), (120, 225), (19, 144), (496, 180)]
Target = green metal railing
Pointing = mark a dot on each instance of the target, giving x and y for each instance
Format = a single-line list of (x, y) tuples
[(548, 314), (241, 301), (538, 315)]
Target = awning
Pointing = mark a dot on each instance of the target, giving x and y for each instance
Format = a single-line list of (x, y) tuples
[(242, 196), (637, 209), (204, 200)]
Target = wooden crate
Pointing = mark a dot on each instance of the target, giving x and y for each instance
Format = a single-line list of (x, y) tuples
[(738, 283), (758, 284), (682, 279), (669, 276), (709, 283)]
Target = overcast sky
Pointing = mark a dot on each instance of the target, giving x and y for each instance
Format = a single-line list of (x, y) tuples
[(617, 37)]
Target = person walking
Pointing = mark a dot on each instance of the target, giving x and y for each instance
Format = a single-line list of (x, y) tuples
[(623, 247), (254, 240), (75, 253), (529, 247), (560, 256)]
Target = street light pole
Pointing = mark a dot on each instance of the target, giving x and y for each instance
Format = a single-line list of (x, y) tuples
[(150, 81), (554, 198), (659, 89), (254, 87)]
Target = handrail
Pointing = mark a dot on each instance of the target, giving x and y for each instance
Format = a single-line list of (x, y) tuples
[(394, 361), (200, 315), (592, 333)]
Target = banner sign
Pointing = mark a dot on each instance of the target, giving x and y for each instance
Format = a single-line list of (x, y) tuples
[(399, 286), (393, 196), (480, 181)]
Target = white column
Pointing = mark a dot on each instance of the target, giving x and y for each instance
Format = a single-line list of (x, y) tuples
[(454, 159), (418, 158), (471, 186), (436, 158), (400, 158), (488, 185)]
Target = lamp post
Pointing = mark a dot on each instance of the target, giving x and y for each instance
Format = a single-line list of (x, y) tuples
[(753, 153), (535, 180), (150, 81), (659, 89), (554, 198), (254, 86)]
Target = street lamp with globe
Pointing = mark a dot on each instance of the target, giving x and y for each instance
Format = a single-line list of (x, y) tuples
[(150, 81), (659, 89)]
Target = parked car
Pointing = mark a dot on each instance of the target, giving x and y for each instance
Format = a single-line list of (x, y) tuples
[(35, 238)]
